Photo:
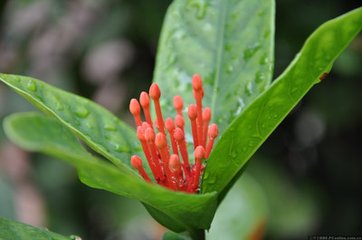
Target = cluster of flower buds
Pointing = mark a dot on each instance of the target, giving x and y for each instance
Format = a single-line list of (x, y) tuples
[(164, 155)]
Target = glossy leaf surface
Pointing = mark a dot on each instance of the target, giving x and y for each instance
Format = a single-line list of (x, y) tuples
[(229, 43), (245, 135), (36, 132), (99, 128), (19, 231)]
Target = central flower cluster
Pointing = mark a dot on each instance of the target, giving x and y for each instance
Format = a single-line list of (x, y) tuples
[(166, 167)]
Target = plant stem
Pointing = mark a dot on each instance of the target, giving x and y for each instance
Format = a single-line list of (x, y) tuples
[(198, 234)]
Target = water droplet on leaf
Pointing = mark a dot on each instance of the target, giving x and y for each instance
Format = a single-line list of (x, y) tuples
[(117, 147), (250, 51), (31, 86), (201, 7), (251, 144), (120, 148), (110, 127), (82, 112), (233, 155), (74, 237), (249, 88), (89, 125)]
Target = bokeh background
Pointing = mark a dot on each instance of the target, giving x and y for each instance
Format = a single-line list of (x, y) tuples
[(309, 170)]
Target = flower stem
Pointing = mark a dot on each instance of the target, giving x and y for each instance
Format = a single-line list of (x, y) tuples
[(198, 234)]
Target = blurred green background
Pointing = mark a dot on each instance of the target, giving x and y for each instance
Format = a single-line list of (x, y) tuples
[(309, 172)]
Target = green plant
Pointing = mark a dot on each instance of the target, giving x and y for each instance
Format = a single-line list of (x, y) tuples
[(231, 46)]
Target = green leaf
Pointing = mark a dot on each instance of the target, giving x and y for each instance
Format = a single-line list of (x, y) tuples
[(19, 231), (243, 213), (99, 128), (230, 43), (37, 132), (245, 135)]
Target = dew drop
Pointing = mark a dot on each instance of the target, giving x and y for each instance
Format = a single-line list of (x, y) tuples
[(201, 7), (82, 112), (233, 155), (249, 88), (259, 77), (74, 237), (251, 144), (230, 68), (117, 147), (250, 51), (31, 86), (294, 90), (180, 34), (89, 125), (110, 127), (120, 148), (241, 106), (263, 60), (58, 105)]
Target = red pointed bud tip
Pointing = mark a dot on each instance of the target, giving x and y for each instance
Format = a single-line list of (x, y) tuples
[(161, 141), (178, 134), (174, 163), (134, 107), (136, 162), (141, 133), (213, 131), (178, 103), (179, 121), (206, 114), (196, 83), (192, 111), (155, 92), (199, 152), (150, 134), (170, 125), (144, 99)]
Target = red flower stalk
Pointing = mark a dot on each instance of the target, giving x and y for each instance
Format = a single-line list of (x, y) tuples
[(164, 155)]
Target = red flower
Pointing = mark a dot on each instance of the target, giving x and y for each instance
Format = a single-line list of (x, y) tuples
[(166, 167)]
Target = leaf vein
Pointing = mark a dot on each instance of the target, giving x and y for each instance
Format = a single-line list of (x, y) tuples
[(220, 51)]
